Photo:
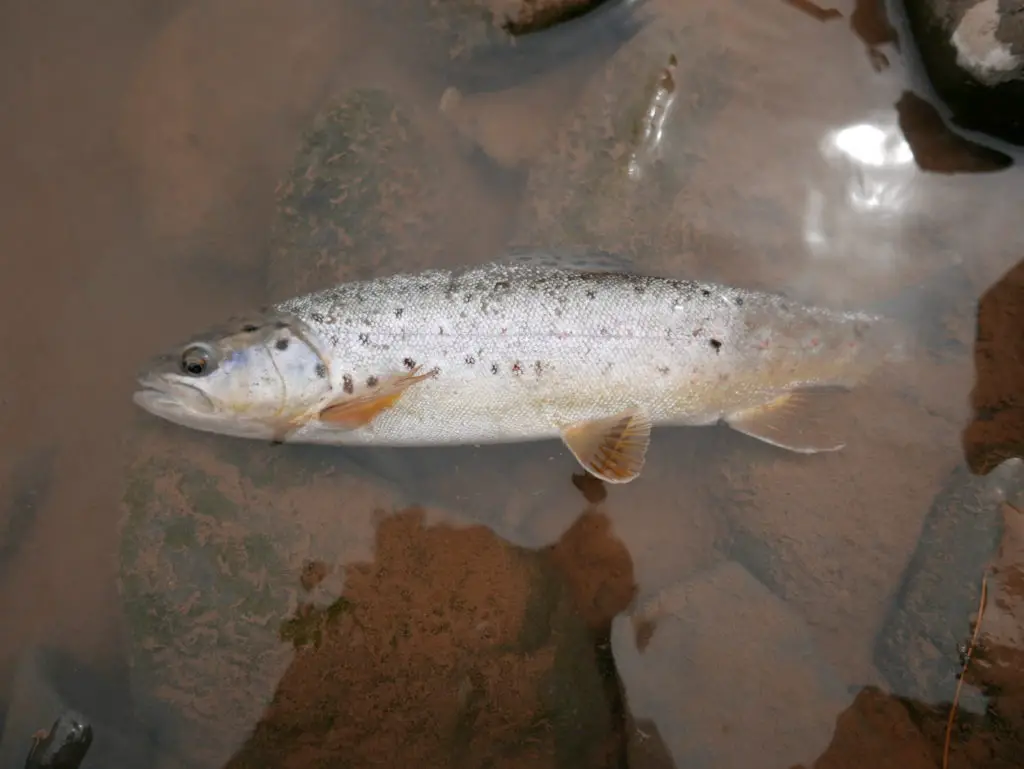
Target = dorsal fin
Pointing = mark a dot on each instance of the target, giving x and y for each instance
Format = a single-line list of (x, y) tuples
[(577, 258)]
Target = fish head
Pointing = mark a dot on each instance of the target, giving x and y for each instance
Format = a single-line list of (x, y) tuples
[(254, 377)]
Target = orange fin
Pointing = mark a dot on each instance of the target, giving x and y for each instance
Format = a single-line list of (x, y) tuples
[(796, 421), (611, 449), (354, 411)]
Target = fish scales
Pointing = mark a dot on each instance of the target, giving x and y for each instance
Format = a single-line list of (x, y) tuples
[(521, 352), (517, 351)]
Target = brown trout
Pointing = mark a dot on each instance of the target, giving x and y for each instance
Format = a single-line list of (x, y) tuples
[(518, 350)]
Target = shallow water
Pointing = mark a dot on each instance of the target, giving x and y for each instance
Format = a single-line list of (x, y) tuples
[(736, 606)]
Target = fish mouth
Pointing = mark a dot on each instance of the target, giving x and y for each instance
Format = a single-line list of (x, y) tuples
[(160, 396)]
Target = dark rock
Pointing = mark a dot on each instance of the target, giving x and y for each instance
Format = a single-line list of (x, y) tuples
[(62, 708), (488, 44), (63, 746), (973, 52)]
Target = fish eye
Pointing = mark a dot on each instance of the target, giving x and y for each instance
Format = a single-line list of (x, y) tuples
[(195, 361)]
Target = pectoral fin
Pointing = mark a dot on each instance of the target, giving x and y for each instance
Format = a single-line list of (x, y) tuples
[(796, 421), (611, 449), (353, 411)]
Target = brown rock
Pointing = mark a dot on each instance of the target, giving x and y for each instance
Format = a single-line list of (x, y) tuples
[(997, 428), (877, 731), (451, 646)]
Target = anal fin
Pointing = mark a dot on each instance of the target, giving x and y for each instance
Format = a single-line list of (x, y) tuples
[(612, 449), (355, 411), (797, 421)]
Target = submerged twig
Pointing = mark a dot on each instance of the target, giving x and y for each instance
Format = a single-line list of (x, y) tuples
[(963, 670)]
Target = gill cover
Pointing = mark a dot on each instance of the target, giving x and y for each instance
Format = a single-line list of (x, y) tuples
[(256, 378)]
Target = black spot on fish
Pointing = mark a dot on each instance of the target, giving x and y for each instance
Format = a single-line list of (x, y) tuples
[(494, 368), (705, 292), (739, 301), (662, 369), (591, 294), (409, 363), (538, 367), (371, 381), (462, 314), (604, 331), (517, 368), (470, 360), (558, 312), (640, 288), (501, 285), (716, 344), (346, 384), (249, 328), (281, 344), (281, 324), (321, 370), (399, 311), (440, 330), (364, 339), (317, 317)]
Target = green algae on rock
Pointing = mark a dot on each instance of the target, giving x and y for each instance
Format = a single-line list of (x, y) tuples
[(361, 196), (214, 537)]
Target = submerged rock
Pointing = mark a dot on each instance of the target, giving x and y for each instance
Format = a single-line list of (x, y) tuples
[(729, 674), (215, 537), (919, 649), (450, 648), (366, 195)]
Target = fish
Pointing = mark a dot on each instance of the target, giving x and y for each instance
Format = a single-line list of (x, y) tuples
[(571, 345)]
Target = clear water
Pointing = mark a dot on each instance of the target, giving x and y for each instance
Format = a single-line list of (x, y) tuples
[(470, 606)]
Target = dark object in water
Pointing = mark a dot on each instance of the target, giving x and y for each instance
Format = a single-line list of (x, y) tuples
[(970, 51), (64, 746)]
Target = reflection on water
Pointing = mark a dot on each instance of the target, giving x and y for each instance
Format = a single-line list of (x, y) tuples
[(211, 602)]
